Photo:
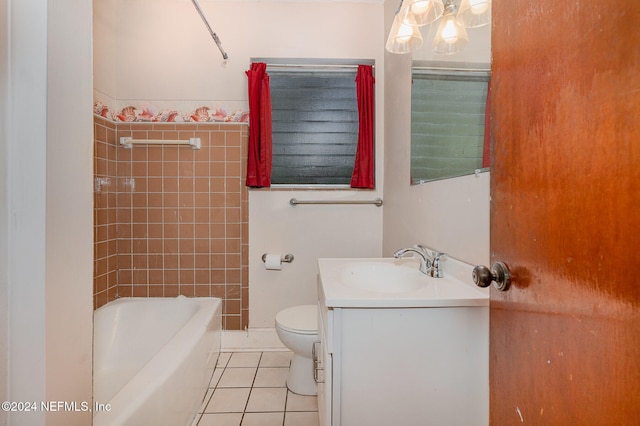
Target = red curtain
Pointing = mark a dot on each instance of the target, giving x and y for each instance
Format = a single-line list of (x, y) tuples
[(259, 152), (363, 169), (486, 150)]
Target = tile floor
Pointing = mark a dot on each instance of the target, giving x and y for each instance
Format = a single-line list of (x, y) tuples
[(249, 389)]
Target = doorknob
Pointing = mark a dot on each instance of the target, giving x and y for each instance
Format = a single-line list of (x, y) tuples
[(499, 274)]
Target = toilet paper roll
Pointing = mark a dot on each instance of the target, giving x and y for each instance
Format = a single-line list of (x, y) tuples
[(273, 262)]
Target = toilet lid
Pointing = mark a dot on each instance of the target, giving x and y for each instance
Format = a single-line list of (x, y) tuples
[(299, 319)]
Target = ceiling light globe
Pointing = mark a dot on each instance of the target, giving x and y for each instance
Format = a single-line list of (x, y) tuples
[(403, 38), (475, 13), (451, 37), (450, 32), (479, 7), (421, 12), (420, 7)]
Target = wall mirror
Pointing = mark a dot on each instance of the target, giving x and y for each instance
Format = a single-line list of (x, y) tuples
[(448, 111)]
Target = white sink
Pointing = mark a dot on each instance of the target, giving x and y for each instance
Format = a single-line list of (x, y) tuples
[(389, 282), (383, 277)]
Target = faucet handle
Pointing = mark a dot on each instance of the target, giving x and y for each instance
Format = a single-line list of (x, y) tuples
[(436, 267), (433, 255), (422, 248), (437, 256)]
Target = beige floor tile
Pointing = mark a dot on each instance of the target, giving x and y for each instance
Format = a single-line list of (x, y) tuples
[(262, 419), (297, 402), (223, 359), (268, 377), (228, 400), (195, 421), (276, 359), (267, 399), (217, 373), (221, 419), (244, 359), (237, 377), (301, 419), (205, 401), (241, 392)]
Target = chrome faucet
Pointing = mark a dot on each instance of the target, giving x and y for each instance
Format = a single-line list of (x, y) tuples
[(429, 262), (425, 261)]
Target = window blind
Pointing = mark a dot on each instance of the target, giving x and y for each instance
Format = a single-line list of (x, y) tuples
[(315, 126), (447, 124)]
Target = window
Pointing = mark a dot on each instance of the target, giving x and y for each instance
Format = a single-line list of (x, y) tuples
[(314, 124), (447, 123)]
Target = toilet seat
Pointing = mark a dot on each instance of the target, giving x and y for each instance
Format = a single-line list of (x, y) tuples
[(299, 319)]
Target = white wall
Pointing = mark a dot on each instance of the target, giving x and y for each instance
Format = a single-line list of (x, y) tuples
[(69, 207), (47, 249), (165, 57), (105, 30), (308, 232), (449, 215), (26, 203)]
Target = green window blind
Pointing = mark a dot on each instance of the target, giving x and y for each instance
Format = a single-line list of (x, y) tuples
[(447, 124)]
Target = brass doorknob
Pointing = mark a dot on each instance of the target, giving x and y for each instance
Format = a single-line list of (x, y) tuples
[(498, 274)]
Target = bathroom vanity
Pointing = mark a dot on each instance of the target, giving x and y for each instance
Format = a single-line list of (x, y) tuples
[(400, 348)]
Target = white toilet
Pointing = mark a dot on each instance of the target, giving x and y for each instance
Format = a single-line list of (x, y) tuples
[(297, 328)]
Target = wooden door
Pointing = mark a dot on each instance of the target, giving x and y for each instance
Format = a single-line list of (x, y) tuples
[(565, 212)]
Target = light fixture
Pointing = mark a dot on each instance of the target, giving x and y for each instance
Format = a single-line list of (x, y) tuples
[(404, 36), (451, 36), (475, 13), (422, 12)]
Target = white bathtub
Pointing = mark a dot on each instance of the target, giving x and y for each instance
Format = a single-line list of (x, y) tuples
[(153, 358)]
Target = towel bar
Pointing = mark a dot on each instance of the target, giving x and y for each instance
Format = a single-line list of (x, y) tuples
[(128, 142)]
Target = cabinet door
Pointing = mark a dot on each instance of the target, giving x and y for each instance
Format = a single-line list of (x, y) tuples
[(325, 375), (324, 378), (412, 367), (325, 387)]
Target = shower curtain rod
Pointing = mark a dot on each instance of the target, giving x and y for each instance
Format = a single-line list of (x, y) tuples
[(305, 64), (213, 35)]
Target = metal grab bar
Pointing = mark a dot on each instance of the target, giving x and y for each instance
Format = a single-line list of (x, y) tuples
[(294, 202), (128, 142)]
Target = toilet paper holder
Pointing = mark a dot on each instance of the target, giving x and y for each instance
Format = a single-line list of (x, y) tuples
[(287, 258)]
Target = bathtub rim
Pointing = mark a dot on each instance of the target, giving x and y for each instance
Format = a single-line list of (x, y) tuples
[(146, 381)]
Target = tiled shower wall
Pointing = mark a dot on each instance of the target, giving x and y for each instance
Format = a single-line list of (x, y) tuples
[(171, 220)]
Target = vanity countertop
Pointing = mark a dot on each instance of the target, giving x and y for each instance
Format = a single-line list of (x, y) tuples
[(396, 283)]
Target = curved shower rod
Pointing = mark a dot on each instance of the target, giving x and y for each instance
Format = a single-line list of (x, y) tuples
[(213, 35)]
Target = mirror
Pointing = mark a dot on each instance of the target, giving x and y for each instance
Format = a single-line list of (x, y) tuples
[(448, 108)]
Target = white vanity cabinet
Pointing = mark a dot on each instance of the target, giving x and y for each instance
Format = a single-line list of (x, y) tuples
[(401, 365)]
